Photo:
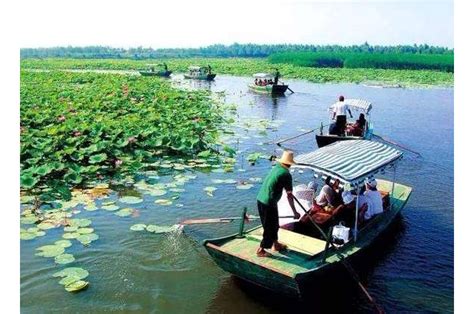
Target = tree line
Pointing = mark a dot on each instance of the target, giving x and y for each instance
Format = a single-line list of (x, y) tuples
[(221, 51)]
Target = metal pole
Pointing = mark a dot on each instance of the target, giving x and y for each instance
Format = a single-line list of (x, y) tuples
[(357, 213), (393, 187)]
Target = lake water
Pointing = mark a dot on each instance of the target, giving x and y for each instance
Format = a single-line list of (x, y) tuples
[(409, 269)]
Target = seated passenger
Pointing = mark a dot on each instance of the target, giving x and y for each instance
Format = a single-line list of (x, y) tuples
[(333, 129), (256, 82), (260, 82), (270, 81), (357, 129), (265, 82), (327, 195), (373, 198)]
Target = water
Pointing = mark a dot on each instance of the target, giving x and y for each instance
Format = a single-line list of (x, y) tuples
[(409, 269)]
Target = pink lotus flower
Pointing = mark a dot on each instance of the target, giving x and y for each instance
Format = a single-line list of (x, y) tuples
[(132, 139), (76, 133), (61, 118), (118, 163)]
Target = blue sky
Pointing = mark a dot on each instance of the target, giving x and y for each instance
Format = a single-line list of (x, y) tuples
[(199, 23)]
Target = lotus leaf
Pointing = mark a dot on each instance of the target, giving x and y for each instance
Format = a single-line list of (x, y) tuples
[(50, 250), (90, 207), (29, 220), (138, 227), (27, 181), (64, 259), (85, 230), (164, 202), (244, 186), (157, 192), (46, 225), (71, 235), (108, 203), (77, 272), (130, 200), (177, 190), (80, 222), (70, 228), (110, 207), (27, 235), (124, 212), (25, 199), (63, 243), (76, 286), (94, 159), (163, 229), (87, 238)]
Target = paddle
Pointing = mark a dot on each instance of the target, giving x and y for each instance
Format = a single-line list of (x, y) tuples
[(396, 144), (292, 138), (291, 90), (343, 259), (222, 220)]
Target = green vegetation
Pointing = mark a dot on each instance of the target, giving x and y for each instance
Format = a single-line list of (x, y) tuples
[(248, 66), (218, 51), (406, 61), (82, 127)]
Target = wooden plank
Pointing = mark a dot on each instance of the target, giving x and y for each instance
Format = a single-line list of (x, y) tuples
[(295, 241)]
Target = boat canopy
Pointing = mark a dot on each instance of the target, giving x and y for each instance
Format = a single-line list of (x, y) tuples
[(358, 104), (349, 161), (263, 75), (194, 68)]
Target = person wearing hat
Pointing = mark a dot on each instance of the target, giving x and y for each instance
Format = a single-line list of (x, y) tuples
[(270, 193), (373, 198)]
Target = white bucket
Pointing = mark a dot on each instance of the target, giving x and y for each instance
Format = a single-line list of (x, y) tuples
[(341, 232)]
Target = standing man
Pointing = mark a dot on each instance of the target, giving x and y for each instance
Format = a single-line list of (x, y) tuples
[(339, 110), (277, 76), (270, 193)]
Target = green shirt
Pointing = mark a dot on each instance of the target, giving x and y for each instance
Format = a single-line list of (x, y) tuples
[(278, 179)]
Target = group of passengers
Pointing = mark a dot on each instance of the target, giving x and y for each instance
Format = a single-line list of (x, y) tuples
[(334, 201), (265, 82), (340, 126)]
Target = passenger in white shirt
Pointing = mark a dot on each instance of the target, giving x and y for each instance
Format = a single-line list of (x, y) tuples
[(339, 111), (373, 198)]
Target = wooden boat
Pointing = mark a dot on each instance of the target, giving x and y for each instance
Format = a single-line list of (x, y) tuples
[(308, 258), (151, 71), (355, 105), (269, 88), (199, 73)]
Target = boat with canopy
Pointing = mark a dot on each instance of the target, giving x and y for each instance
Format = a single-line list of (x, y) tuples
[(353, 130), (265, 83), (200, 73), (308, 257), (152, 72)]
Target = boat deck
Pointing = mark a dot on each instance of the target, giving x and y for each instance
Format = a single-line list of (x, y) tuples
[(290, 262)]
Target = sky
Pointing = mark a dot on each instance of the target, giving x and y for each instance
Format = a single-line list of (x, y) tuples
[(178, 23)]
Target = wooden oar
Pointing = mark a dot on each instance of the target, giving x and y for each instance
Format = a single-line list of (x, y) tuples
[(222, 220), (396, 144), (291, 90), (293, 137), (343, 260)]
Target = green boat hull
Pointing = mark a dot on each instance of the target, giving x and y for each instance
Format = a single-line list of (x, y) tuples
[(276, 90), (160, 73), (206, 77), (289, 273)]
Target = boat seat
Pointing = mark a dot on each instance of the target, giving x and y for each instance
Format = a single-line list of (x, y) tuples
[(295, 241)]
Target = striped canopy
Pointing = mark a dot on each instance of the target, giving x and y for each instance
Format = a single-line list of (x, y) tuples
[(349, 161)]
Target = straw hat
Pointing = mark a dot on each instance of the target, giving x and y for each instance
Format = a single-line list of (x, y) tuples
[(286, 158), (371, 182), (347, 197)]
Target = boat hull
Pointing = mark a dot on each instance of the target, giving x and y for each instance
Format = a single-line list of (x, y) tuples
[(293, 273), (207, 77), (324, 140), (276, 90), (161, 74)]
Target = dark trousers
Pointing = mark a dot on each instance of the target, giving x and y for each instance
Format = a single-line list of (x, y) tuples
[(269, 218), (341, 122)]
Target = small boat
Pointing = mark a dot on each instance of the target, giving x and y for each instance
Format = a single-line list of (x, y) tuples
[(200, 73), (151, 71), (309, 257), (355, 105), (267, 87)]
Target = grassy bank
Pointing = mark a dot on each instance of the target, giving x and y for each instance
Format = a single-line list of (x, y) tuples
[(81, 127), (248, 66)]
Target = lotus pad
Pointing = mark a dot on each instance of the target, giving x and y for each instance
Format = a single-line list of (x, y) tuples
[(162, 229), (87, 238), (164, 202), (138, 227), (50, 250), (124, 212), (78, 272), (63, 243), (76, 286), (110, 207), (130, 200), (85, 230), (64, 259)]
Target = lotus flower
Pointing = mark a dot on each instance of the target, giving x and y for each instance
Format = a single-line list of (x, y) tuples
[(132, 140), (118, 163), (76, 133), (61, 118)]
